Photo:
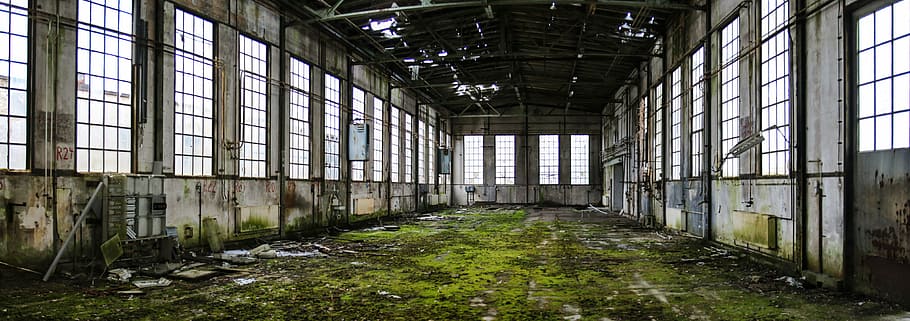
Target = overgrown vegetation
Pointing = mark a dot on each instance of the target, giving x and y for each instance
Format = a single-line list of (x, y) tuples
[(497, 264)]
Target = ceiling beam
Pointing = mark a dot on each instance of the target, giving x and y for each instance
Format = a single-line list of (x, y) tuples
[(656, 4)]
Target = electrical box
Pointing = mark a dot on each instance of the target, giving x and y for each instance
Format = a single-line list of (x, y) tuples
[(359, 142), (444, 159)]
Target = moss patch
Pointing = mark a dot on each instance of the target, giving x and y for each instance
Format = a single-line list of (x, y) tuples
[(502, 264)]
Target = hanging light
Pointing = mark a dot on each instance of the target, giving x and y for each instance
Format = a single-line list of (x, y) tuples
[(553, 5)]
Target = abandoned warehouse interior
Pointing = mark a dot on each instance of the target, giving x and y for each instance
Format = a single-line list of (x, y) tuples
[(455, 159)]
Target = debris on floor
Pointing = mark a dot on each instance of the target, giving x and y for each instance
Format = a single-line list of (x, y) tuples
[(120, 275), (159, 283)]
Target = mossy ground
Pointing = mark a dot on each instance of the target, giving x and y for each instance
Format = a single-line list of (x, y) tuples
[(491, 265)]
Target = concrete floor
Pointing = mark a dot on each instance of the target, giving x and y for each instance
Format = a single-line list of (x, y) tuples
[(470, 264)]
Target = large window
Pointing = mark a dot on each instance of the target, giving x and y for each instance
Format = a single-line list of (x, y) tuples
[(729, 96), (549, 159), (658, 94), (103, 86), (253, 107), (697, 120), (359, 104), (676, 124), (421, 152), (473, 160), (431, 154), (505, 159), (775, 87), (408, 148), (883, 49), (395, 144), (299, 113), (377, 139), (580, 162), (332, 127), (193, 104), (14, 84)]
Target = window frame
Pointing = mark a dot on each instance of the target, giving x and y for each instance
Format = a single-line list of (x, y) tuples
[(505, 159), (302, 145), (207, 154), (697, 114), (676, 112), (22, 148), (473, 160), (331, 147), (729, 124), (548, 157), (580, 161), (378, 138), (775, 112), (123, 108), (358, 168)]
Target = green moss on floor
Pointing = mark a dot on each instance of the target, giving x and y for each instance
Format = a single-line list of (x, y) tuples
[(496, 265)]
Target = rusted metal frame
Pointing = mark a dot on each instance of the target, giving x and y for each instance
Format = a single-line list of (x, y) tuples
[(462, 4)]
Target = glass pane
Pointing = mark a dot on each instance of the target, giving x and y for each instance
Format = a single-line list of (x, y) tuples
[(883, 132), (902, 130)]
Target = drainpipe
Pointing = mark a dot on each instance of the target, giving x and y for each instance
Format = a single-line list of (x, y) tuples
[(282, 118), (707, 131), (348, 201), (801, 157), (663, 140)]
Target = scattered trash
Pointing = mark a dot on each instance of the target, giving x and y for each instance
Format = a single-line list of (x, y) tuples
[(355, 263), (260, 249), (270, 254), (194, 274), (120, 275), (131, 292), (791, 281), (666, 237), (235, 259), (244, 281), (435, 217), (159, 283), (301, 254), (386, 293)]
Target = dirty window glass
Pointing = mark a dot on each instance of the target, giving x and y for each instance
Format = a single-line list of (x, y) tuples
[(473, 160), (332, 127), (395, 171), (549, 159), (883, 93), (421, 152), (505, 159), (377, 139), (193, 103), (299, 113), (775, 88), (104, 86), (580, 162), (658, 94), (676, 123), (253, 107), (13, 84), (359, 104), (408, 148), (697, 120), (729, 113)]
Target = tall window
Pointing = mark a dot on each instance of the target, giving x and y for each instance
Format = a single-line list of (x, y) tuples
[(505, 159), (676, 124), (408, 148), (473, 160), (332, 127), (549, 159), (299, 113), (729, 111), (421, 152), (193, 107), (377, 139), (395, 144), (775, 87), (697, 120), (14, 84), (580, 163), (431, 154), (658, 94), (445, 141), (359, 104), (253, 107), (883, 50), (103, 85)]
